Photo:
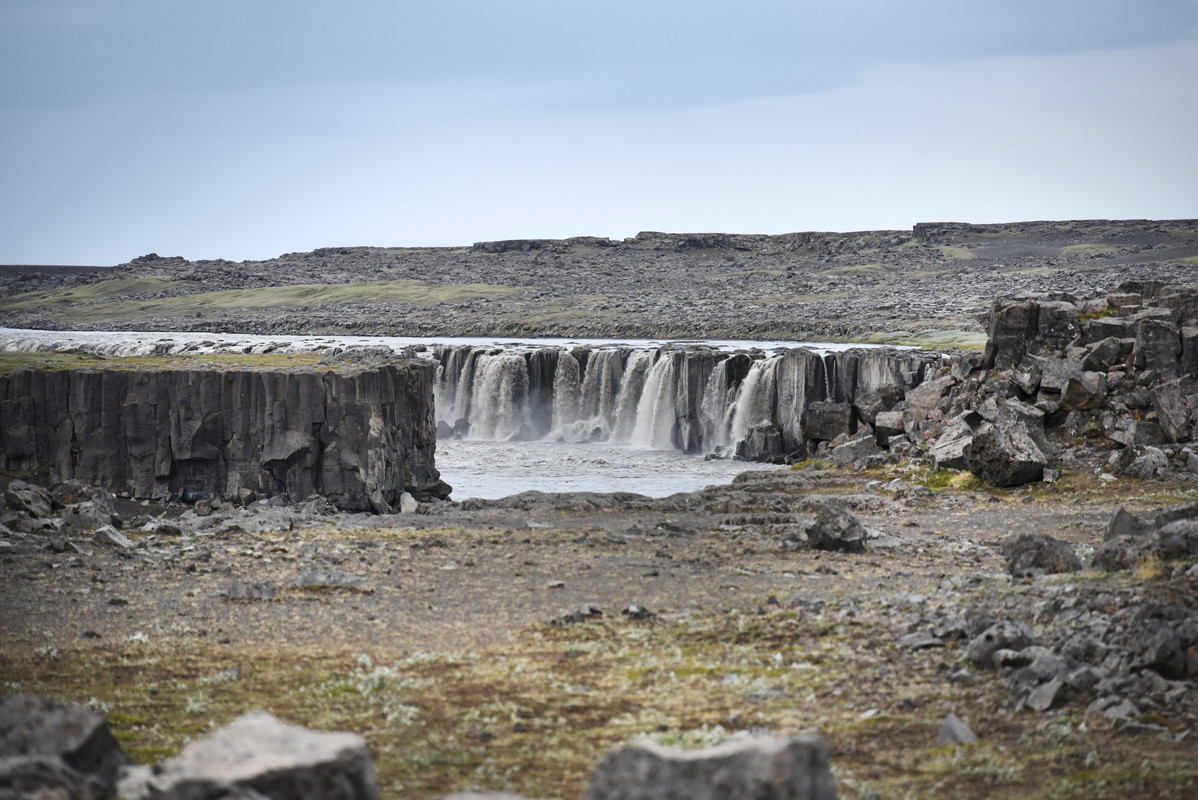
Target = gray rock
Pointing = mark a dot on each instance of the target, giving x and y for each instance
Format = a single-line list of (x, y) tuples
[(87, 516), (949, 449), (408, 504), (355, 435), (953, 730), (249, 591), (33, 500), (483, 796), (763, 443), (826, 421), (33, 726), (1125, 524), (1175, 541), (1045, 696), (47, 778), (257, 752), (1002, 635), (836, 528), (1102, 355), (1039, 554), (1013, 325), (888, 424), (1155, 645), (1171, 402), (1157, 347), (852, 451), (111, 536), (742, 767), (1148, 463), (1083, 391), (1005, 455)]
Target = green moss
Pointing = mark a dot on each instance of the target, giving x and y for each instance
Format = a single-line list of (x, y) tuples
[(92, 292), (958, 253), (10, 362), (1090, 249)]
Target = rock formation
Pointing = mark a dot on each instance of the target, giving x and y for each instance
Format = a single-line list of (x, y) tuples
[(360, 436)]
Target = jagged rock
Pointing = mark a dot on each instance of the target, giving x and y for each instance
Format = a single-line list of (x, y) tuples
[(1002, 635), (1083, 391), (33, 500), (1170, 401), (111, 536), (1102, 355), (949, 449), (1155, 645), (826, 421), (744, 767), (1157, 347), (1039, 554), (1005, 455), (953, 730), (259, 753), (1175, 541), (87, 516), (1125, 523), (483, 796), (76, 735), (763, 443), (888, 424), (869, 404), (47, 778), (1057, 324), (836, 528), (1045, 696), (1141, 463), (1013, 324), (854, 450), (408, 504), (923, 402)]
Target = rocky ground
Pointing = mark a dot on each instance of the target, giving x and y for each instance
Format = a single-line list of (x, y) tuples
[(924, 286), (506, 645)]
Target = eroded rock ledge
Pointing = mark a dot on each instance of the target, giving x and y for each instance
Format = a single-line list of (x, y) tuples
[(360, 435)]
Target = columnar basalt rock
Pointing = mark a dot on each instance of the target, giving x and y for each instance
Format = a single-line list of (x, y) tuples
[(359, 435)]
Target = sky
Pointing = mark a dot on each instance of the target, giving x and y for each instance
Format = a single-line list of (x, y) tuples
[(244, 129)]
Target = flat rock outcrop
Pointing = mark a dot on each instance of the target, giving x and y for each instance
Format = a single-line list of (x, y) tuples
[(359, 435)]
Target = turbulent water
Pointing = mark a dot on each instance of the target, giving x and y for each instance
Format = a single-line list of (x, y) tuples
[(551, 415)]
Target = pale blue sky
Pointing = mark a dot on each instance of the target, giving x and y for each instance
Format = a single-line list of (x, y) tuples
[(248, 128)]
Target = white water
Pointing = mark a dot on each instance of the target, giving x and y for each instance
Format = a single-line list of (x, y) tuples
[(488, 469)]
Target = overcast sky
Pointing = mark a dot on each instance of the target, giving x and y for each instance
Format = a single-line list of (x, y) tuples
[(248, 128)]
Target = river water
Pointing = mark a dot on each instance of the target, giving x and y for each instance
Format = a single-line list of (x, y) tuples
[(479, 465)]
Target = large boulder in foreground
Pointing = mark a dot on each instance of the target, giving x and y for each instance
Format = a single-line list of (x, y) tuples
[(34, 726), (741, 767), (259, 754)]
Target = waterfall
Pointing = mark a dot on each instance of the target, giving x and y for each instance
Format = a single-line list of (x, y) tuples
[(502, 381), (655, 413), (755, 402), (658, 397)]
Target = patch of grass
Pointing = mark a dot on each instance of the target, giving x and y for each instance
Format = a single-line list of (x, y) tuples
[(954, 252), (92, 292), (410, 292), (1186, 260), (11, 362), (932, 339), (862, 270), (1090, 249)]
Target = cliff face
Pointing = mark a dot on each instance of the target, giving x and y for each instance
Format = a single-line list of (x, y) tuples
[(359, 437)]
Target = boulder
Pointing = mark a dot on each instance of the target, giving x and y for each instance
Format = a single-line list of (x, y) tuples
[(1102, 355), (1157, 347), (1083, 391), (76, 735), (854, 450), (948, 451), (1013, 325), (1004, 454), (836, 528), (1003, 635), (869, 404), (742, 767), (47, 778), (1125, 524), (888, 424), (1141, 462), (1039, 554), (28, 498), (1057, 325), (953, 730), (258, 753), (1170, 400), (763, 443), (826, 421)]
